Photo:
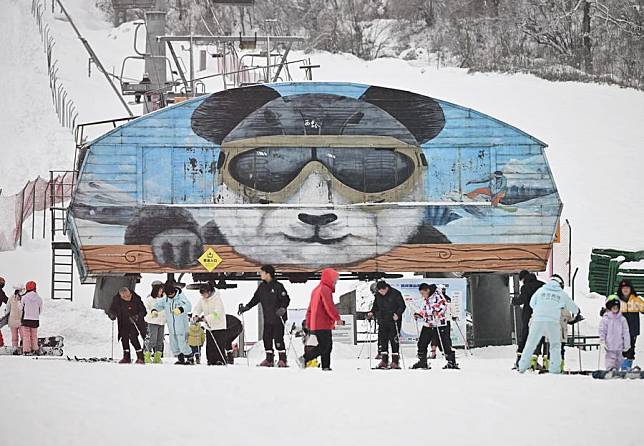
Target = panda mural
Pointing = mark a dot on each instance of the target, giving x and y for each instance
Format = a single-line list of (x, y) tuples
[(314, 174), (327, 151)]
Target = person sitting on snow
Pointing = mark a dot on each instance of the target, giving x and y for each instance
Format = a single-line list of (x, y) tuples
[(176, 308), (546, 304), (128, 310), (614, 334)]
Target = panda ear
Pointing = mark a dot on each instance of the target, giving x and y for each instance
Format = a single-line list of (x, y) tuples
[(422, 115), (219, 114)]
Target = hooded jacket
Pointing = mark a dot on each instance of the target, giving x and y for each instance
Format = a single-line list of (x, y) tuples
[(530, 286), (196, 335), (177, 325), (321, 313), (433, 310), (129, 315), (212, 309), (31, 308), (15, 311), (631, 307), (385, 306), (548, 301), (614, 332), (149, 303)]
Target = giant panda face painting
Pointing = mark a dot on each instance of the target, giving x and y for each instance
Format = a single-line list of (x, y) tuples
[(311, 173)]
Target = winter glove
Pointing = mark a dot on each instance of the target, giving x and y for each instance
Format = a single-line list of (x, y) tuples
[(577, 318), (280, 312), (214, 315), (241, 309), (395, 317), (154, 313), (369, 316), (111, 315), (177, 311)]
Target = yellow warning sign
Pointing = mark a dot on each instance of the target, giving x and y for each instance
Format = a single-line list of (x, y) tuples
[(210, 259)]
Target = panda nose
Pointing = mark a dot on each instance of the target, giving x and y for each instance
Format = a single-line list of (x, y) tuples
[(317, 220)]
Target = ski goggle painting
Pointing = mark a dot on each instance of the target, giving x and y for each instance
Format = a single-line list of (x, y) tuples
[(357, 170)]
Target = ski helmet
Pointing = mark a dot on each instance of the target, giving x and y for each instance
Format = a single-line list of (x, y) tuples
[(30, 286), (557, 278), (611, 301)]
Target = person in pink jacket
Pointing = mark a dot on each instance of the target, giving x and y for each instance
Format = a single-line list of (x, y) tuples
[(31, 309), (614, 334)]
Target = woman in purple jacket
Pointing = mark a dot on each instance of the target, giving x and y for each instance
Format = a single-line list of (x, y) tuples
[(614, 334)]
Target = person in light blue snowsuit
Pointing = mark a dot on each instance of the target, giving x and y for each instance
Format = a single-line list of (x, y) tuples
[(546, 304), (176, 307)]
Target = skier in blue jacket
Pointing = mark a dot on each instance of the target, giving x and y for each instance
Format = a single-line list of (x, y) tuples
[(547, 303), (176, 307)]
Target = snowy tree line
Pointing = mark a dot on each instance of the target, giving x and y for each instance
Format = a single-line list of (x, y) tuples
[(588, 40)]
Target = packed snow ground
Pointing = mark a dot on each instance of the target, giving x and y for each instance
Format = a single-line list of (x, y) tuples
[(594, 133)]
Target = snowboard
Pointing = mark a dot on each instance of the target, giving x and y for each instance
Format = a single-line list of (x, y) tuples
[(51, 341), (44, 351), (462, 198), (618, 374)]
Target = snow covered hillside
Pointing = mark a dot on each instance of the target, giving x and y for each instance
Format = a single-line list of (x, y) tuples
[(595, 134)]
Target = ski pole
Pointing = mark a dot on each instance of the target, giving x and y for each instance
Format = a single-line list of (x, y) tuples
[(216, 343), (402, 357), (467, 348), (112, 357), (290, 338), (244, 336), (369, 341)]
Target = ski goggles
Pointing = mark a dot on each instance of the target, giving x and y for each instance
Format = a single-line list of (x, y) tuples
[(365, 166)]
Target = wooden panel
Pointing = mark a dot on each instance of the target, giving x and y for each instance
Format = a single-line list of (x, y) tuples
[(407, 258)]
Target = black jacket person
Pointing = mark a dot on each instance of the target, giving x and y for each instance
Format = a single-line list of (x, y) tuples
[(128, 310), (388, 308), (530, 286), (274, 299)]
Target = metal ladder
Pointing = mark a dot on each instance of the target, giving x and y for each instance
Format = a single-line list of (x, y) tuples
[(61, 184)]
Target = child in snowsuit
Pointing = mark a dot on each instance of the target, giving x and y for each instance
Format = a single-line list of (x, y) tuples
[(546, 304), (176, 308), (15, 316), (156, 326), (614, 334), (196, 339), (31, 308), (433, 314), (128, 310)]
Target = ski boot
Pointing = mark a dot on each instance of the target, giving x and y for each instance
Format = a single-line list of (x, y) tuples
[(181, 359), (147, 357), (140, 359), (384, 361), (198, 359), (126, 357), (561, 369), (422, 363), (190, 360), (157, 358), (230, 357), (282, 360), (451, 365), (534, 364), (546, 363), (395, 358), (627, 364), (269, 361), (313, 364)]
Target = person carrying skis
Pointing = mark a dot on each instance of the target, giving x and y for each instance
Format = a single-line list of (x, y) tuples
[(210, 310), (631, 307), (155, 326), (388, 308), (274, 299), (4, 299), (321, 318), (433, 314), (31, 308), (176, 308), (530, 284), (128, 310), (546, 304), (614, 334)]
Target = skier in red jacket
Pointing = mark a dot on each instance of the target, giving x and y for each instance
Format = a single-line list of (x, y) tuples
[(322, 317)]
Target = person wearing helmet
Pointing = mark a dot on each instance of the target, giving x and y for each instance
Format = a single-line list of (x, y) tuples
[(176, 308), (631, 305), (31, 309), (210, 310), (547, 303), (156, 326), (614, 334)]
